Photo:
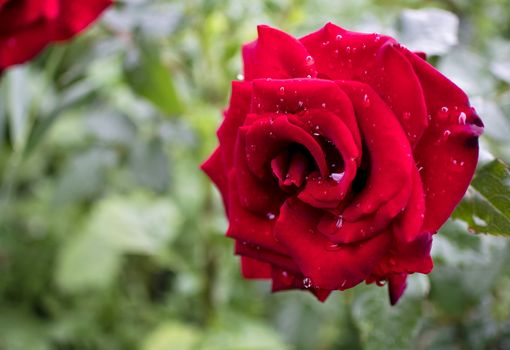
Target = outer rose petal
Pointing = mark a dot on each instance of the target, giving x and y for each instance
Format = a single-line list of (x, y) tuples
[(390, 152), (396, 286), (234, 117), (213, 167), (254, 269), (448, 152), (284, 280), (376, 60), (277, 55), (27, 26), (341, 268), (256, 252)]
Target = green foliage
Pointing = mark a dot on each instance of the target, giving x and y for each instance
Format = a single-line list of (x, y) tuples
[(486, 206), (111, 238)]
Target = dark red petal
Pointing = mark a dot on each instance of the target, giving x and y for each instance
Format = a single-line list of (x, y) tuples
[(438, 90), (391, 161), (341, 54), (254, 269), (276, 55), (235, 115), (327, 125), (397, 284), (269, 136), (377, 61), (340, 230), (284, 280), (341, 268), (22, 45), (258, 195), (408, 226), (249, 227), (297, 95), (407, 258), (448, 152), (75, 16), (213, 167), (264, 255)]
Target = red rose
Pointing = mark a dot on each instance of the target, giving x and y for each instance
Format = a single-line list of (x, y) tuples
[(27, 26), (340, 155)]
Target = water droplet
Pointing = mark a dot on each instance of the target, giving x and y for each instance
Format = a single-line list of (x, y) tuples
[(462, 118), (309, 60), (348, 49), (344, 282), (380, 283), (316, 134), (366, 101), (332, 246), (406, 115), (339, 37), (325, 43), (282, 90), (377, 38), (336, 176), (339, 221), (240, 77), (300, 104), (447, 133), (479, 221), (323, 105), (270, 216), (307, 282), (309, 76)]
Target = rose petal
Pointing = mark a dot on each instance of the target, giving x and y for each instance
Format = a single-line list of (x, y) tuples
[(397, 284), (341, 268), (277, 55), (264, 255), (254, 269), (391, 161)]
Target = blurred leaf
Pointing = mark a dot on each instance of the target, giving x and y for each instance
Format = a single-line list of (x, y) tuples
[(84, 176), (86, 263), (466, 267), (150, 165), (430, 30), (18, 105), (172, 335), (150, 78), (486, 205), (242, 334), (135, 224), (383, 326)]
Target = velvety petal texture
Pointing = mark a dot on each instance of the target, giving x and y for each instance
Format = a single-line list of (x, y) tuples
[(28, 26), (340, 155)]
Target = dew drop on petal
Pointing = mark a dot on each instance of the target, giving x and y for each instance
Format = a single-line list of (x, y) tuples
[(462, 118), (337, 177), (339, 37), (307, 282), (366, 101), (240, 77), (339, 221), (380, 283), (309, 60), (406, 115), (270, 216), (282, 90), (300, 104)]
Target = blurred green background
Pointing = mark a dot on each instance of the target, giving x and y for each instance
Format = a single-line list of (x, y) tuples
[(111, 238)]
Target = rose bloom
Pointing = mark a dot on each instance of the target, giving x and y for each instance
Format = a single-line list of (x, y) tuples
[(27, 26), (339, 157)]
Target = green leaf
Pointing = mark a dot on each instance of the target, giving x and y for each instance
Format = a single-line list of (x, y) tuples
[(486, 205), (150, 165), (383, 326), (150, 78), (18, 105), (172, 335)]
